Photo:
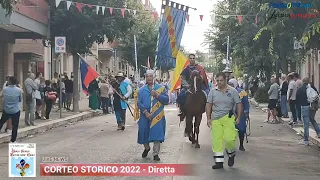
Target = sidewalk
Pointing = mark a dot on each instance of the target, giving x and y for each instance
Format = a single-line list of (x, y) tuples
[(297, 128), (54, 121)]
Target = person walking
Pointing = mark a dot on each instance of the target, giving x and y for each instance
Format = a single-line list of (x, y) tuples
[(273, 93), (152, 122), (221, 119), (104, 95), (12, 96)]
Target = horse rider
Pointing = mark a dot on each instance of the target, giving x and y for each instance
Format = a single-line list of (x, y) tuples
[(122, 91), (152, 123), (185, 80), (221, 120), (242, 126)]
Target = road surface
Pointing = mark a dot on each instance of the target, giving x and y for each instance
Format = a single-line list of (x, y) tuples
[(273, 152)]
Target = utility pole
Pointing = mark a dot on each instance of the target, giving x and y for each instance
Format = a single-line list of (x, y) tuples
[(136, 58), (227, 69)]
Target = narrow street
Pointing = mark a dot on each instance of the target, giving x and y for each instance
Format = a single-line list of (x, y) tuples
[(273, 152)]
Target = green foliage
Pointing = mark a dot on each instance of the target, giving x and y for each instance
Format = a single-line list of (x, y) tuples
[(82, 29), (7, 5), (200, 56), (146, 30), (256, 47), (261, 96)]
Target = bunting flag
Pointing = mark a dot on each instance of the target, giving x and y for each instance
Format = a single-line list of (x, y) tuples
[(201, 17), (239, 19), (181, 63), (80, 6)]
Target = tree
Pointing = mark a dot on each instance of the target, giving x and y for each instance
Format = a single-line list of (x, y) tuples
[(82, 29), (7, 5), (200, 56), (145, 28)]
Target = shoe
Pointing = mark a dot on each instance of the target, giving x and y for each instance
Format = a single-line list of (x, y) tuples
[(241, 148), (32, 124), (218, 165), (145, 153), (300, 122), (156, 158), (306, 143), (318, 135), (123, 128), (9, 131), (231, 161)]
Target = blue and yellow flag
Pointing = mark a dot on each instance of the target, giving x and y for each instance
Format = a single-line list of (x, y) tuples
[(170, 35)]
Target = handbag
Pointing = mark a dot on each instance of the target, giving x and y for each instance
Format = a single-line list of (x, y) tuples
[(51, 96)]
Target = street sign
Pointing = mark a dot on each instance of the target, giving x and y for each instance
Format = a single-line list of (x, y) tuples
[(60, 45)]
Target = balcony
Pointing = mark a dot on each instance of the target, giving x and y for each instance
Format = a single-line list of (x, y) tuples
[(28, 21)]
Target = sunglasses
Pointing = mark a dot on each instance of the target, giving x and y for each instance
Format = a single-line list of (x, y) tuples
[(192, 58)]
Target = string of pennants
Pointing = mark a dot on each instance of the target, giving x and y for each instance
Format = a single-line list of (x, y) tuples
[(155, 14), (79, 6)]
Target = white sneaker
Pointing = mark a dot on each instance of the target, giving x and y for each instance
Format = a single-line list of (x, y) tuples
[(9, 131), (306, 143), (265, 121)]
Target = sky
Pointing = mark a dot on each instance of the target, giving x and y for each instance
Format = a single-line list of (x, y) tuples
[(193, 35)]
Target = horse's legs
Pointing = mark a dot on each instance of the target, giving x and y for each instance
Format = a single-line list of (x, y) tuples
[(196, 129), (188, 129)]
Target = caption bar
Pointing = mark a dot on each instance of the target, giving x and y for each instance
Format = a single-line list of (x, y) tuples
[(116, 170)]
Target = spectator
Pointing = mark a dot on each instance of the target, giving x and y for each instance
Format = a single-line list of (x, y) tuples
[(104, 95), (8, 128), (291, 98), (50, 97), (69, 91), (283, 93), (42, 93), (306, 112), (273, 99), (299, 84), (30, 88), (12, 98), (38, 95)]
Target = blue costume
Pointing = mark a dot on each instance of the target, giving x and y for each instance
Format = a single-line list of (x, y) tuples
[(153, 129), (242, 126), (119, 105)]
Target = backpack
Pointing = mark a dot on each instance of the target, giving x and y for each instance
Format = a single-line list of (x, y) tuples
[(312, 94)]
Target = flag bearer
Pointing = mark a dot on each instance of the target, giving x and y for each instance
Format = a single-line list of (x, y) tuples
[(152, 123), (221, 103), (242, 126)]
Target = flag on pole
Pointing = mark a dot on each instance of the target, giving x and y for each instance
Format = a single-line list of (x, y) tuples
[(88, 74), (181, 63), (148, 63)]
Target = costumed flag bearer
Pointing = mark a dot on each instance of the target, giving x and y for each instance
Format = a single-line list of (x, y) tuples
[(122, 92), (242, 126), (220, 108), (152, 123)]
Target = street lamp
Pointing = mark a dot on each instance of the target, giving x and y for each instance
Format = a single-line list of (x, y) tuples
[(227, 69)]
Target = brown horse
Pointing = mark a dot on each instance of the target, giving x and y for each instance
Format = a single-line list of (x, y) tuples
[(194, 107)]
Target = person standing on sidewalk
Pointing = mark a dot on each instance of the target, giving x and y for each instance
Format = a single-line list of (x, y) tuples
[(291, 98), (49, 98), (104, 95), (221, 119), (8, 128), (43, 104), (306, 111), (283, 93), (12, 98), (38, 95), (30, 88), (299, 83), (273, 99), (69, 92)]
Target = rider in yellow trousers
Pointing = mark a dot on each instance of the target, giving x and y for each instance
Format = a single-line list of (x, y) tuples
[(221, 103)]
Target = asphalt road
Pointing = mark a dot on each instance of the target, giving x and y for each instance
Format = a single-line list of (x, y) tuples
[(273, 152)]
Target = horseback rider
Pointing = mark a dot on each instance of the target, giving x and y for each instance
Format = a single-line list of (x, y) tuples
[(186, 80)]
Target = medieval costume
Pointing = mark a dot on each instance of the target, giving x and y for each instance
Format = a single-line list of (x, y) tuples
[(152, 122), (242, 126), (93, 91), (222, 123), (185, 83), (122, 92)]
